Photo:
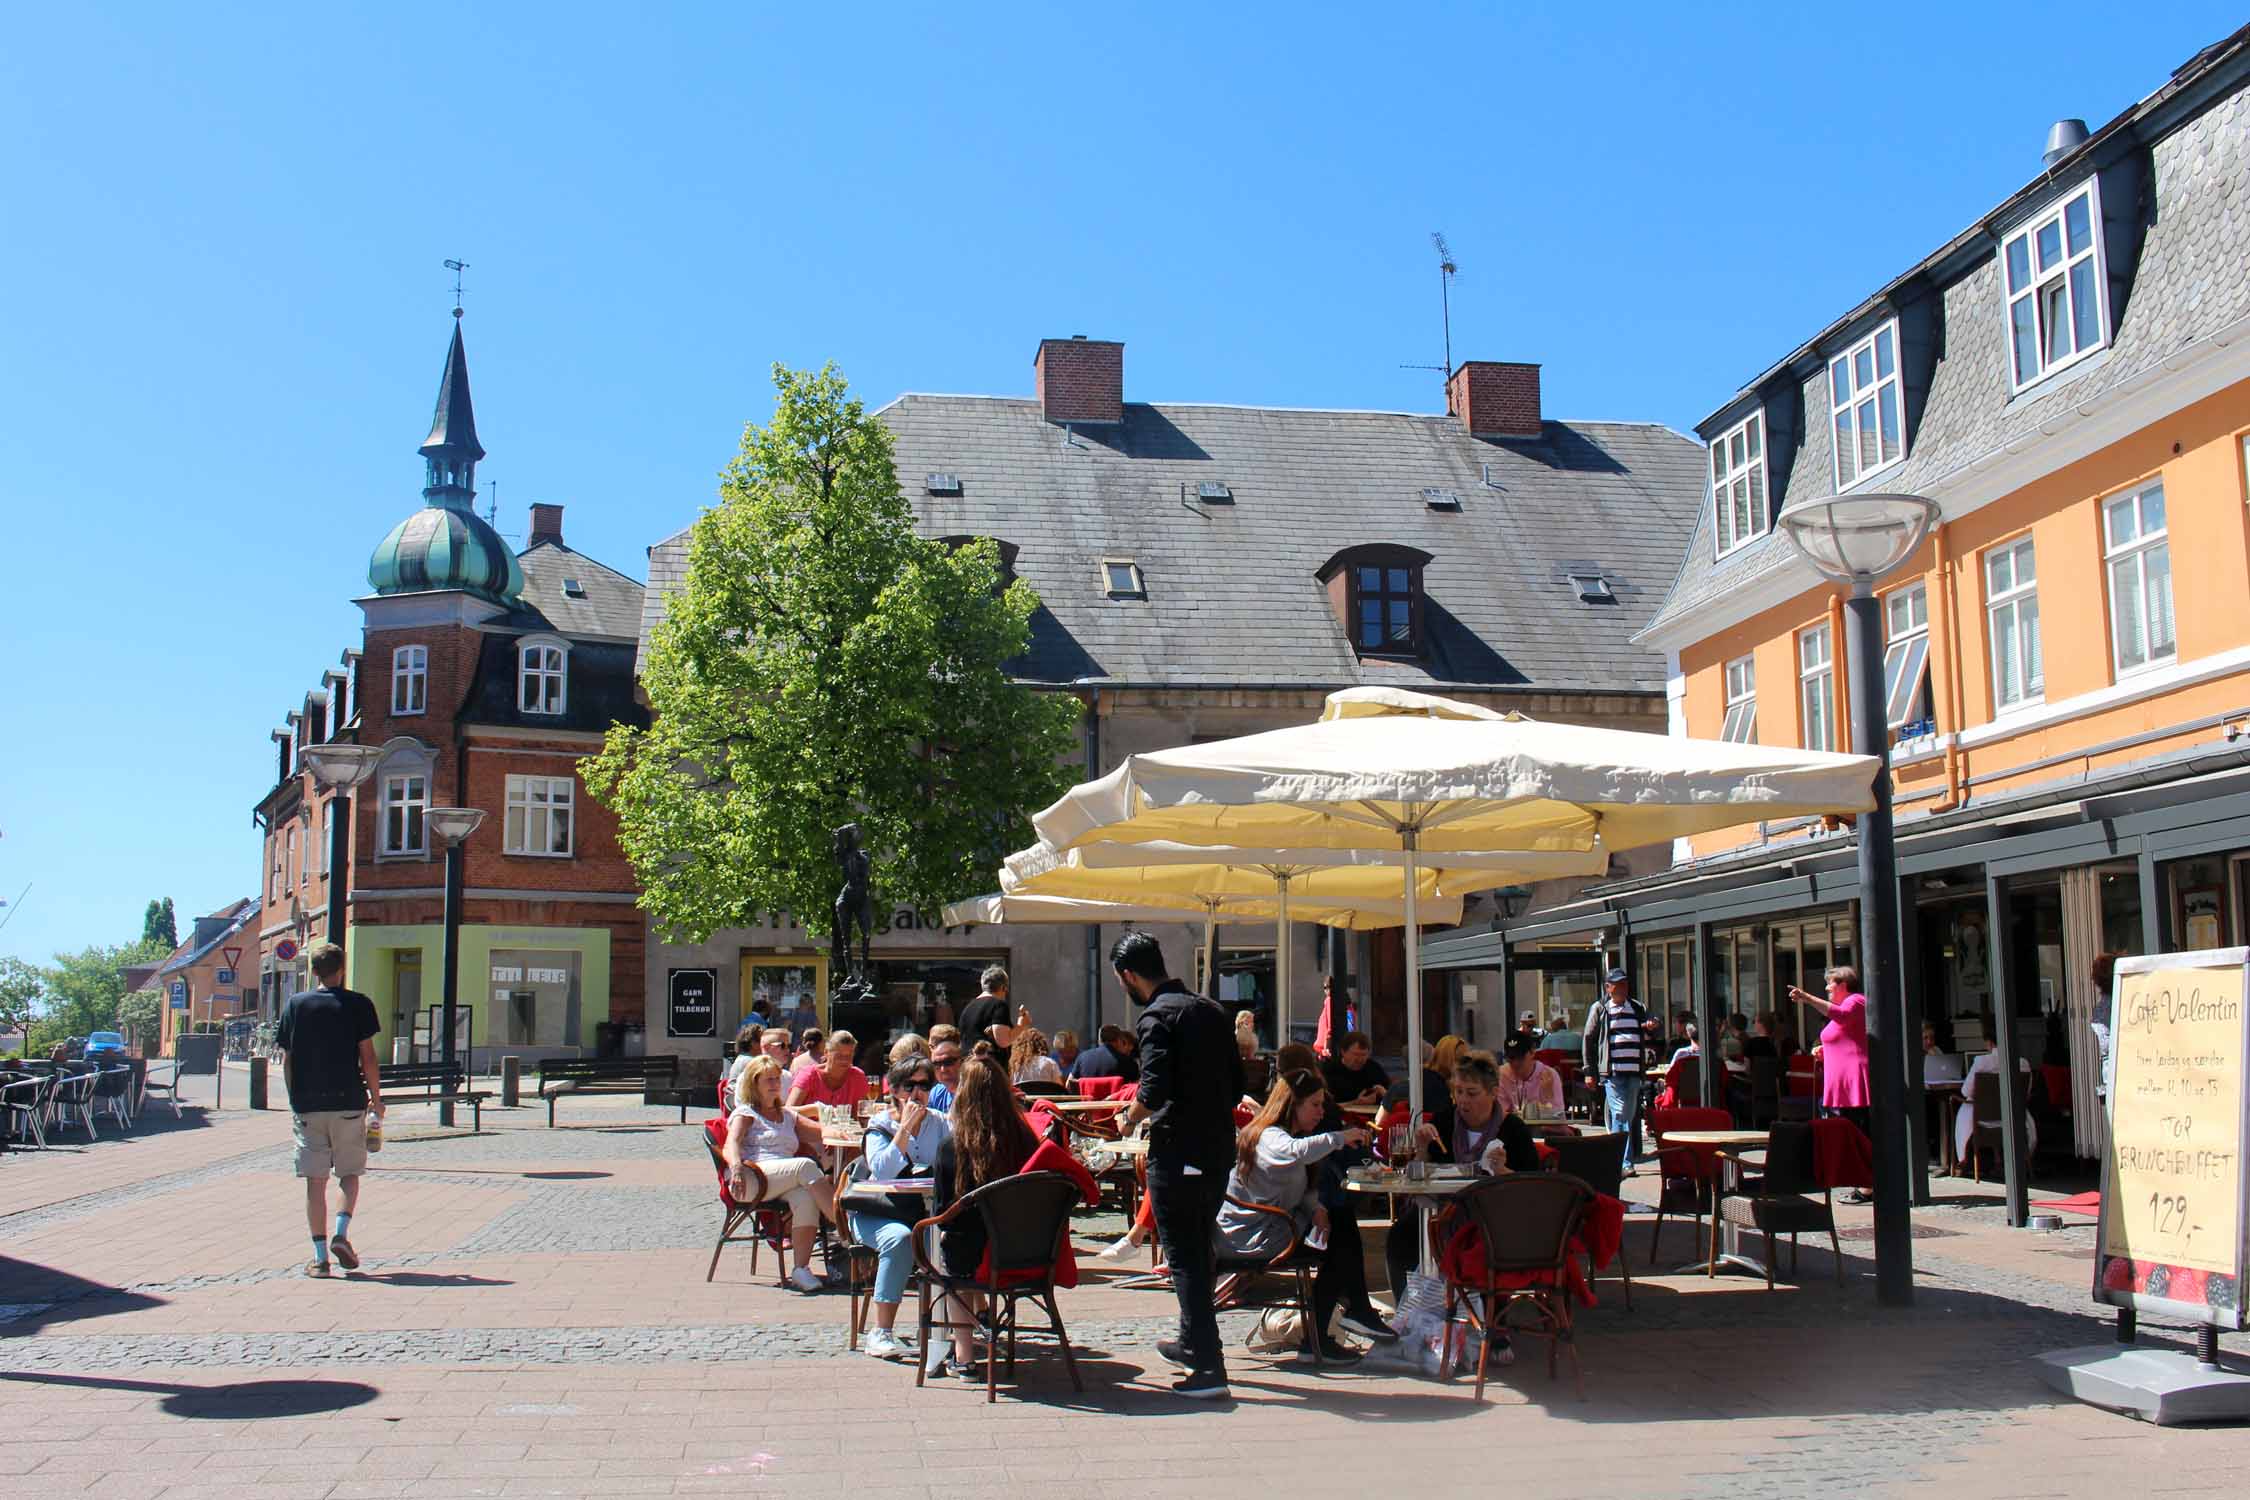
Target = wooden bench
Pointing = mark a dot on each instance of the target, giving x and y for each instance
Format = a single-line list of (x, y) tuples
[(656, 1079), (424, 1083)]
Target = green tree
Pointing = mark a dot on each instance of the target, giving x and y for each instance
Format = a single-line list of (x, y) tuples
[(21, 985), (160, 926), (79, 992), (824, 665), (140, 1015)]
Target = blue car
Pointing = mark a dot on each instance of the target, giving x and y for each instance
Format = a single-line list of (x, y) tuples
[(105, 1046)]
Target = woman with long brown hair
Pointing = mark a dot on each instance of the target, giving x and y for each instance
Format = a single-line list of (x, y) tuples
[(1277, 1157), (1029, 1060), (991, 1139)]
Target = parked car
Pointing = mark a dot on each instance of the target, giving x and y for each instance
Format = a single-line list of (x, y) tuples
[(105, 1047)]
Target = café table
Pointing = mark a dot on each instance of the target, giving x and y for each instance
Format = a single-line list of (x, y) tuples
[(1078, 1106), (841, 1142), (1954, 1097), (1730, 1143), (1424, 1194)]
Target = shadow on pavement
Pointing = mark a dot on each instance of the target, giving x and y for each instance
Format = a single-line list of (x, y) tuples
[(246, 1401), (423, 1278), (53, 1296)]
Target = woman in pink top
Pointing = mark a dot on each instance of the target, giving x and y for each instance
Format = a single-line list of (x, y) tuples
[(1844, 1088), (835, 1081)]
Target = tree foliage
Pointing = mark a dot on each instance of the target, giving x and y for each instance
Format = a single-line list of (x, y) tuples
[(824, 665), (159, 925), (79, 992), (20, 988)]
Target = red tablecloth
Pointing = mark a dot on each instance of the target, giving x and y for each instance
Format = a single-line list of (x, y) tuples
[(1600, 1235), (1842, 1155), (2056, 1076), (1099, 1088)]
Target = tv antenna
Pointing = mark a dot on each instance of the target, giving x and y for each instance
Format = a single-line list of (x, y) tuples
[(1447, 270), (457, 267)]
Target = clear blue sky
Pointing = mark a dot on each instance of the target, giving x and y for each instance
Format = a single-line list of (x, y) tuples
[(226, 312)]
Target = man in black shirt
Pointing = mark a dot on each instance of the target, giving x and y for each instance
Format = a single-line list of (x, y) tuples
[(1112, 1058), (1353, 1075), (328, 1059), (1191, 1081), (987, 1018)]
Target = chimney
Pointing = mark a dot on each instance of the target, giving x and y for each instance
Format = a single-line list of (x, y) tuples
[(2063, 137), (1495, 399), (546, 525), (1080, 380)]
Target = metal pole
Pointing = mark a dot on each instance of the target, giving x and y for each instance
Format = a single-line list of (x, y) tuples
[(1878, 947), (452, 990), (1210, 929), (2004, 1022), (1912, 987), (1281, 969), (1407, 839), (339, 862)]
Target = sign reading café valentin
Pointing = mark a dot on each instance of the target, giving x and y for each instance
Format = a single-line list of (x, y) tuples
[(2172, 1239)]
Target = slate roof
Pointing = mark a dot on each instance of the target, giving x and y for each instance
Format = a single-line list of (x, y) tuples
[(232, 918), (611, 608), (2191, 277), (1232, 597)]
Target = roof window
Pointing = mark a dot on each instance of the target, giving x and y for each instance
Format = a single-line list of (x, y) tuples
[(1441, 499), (2053, 267), (943, 484), (1215, 492), (1121, 579), (573, 589), (1376, 592), (1592, 588)]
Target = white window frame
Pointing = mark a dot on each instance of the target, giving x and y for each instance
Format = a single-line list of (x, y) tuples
[(1741, 490), (1857, 398), (296, 863), (1741, 723), (410, 681), (1816, 687), (2005, 607), (406, 794), (2029, 291), (1139, 586), (274, 881), (543, 686), (327, 835), (2136, 553), (1906, 652), (541, 803)]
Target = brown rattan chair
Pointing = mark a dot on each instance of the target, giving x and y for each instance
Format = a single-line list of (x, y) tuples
[(1525, 1221), (1026, 1232), (1780, 1200)]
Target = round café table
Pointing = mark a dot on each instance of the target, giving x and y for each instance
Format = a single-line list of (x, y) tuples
[(1425, 1195), (1731, 1257)]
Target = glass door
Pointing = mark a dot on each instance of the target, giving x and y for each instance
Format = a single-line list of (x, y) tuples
[(787, 991)]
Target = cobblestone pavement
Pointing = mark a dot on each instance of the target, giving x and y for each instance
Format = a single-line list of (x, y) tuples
[(533, 1318)]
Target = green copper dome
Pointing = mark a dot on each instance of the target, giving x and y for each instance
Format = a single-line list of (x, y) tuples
[(440, 547)]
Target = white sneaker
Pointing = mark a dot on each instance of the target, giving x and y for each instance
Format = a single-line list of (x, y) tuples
[(1117, 1253), (804, 1279), (1504, 1354), (883, 1344)]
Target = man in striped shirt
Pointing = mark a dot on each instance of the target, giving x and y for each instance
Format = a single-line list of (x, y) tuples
[(1617, 1054)]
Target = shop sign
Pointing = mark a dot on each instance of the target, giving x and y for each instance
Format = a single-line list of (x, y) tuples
[(694, 1007)]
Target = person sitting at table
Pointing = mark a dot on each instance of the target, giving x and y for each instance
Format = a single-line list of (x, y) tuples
[(1689, 1044), (1029, 1060), (945, 1064), (1562, 1036), (812, 1048), (1437, 1072), (786, 1147), (909, 1045), (990, 1140), (745, 1047), (903, 1141), (1065, 1050), (1524, 1079), (1277, 1157), (1965, 1113), (1758, 1041), (835, 1081), (774, 1043), (1111, 1057), (1353, 1075), (1734, 1032)]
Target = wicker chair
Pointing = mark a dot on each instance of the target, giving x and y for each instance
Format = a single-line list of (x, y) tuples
[(1780, 1201), (1599, 1162), (768, 1223), (1027, 1230), (1525, 1221), (1240, 1275)]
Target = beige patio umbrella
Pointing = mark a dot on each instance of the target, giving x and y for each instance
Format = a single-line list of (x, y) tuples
[(1431, 784)]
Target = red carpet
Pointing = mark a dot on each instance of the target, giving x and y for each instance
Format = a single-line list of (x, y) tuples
[(2089, 1204)]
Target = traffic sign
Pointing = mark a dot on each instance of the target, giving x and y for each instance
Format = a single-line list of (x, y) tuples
[(233, 956), (179, 994), (285, 950), (224, 976)]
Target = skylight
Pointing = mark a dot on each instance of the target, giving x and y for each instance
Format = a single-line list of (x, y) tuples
[(1440, 499), (943, 484), (1592, 588), (1214, 491), (1121, 578), (573, 588)]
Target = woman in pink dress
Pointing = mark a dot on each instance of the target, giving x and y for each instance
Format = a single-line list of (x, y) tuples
[(1844, 1088)]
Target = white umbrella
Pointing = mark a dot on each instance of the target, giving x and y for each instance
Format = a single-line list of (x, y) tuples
[(1427, 782)]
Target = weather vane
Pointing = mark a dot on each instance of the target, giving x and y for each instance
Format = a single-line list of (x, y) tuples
[(457, 267)]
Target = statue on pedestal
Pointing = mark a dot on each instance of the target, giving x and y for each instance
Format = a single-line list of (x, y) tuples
[(855, 903)]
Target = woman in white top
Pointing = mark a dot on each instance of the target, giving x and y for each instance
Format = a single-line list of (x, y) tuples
[(1965, 1118), (1028, 1060), (785, 1146)]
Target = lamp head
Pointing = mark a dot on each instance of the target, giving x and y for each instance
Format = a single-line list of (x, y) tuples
[(340, 767), (1857, 539), (453, 824)]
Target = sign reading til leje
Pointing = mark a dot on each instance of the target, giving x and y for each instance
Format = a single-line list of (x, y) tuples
[(2173, 1182)]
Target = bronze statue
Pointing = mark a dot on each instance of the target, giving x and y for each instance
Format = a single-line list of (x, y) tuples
[(854, 903)]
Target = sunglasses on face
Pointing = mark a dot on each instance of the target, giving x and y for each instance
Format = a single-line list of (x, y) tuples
[(945, 1062), (923, 1084)]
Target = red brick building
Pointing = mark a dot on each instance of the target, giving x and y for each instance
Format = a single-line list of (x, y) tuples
[(484, 677)]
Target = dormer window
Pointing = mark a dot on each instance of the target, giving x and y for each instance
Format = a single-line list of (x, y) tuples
[(1738, 484), (1121, 579), (2052, 274), (1376, 592), (540, 676), (1863, 398)]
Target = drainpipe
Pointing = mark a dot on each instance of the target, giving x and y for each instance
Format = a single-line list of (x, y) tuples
[(1838, 671), (1949, 690), (1093, 929)]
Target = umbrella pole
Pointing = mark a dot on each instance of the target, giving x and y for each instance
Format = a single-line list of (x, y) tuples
[(1210, 926), (1281, 970), (1407, 840)]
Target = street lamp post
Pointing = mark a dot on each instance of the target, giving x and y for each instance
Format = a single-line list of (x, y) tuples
[(339, 769), (1857, 540), (453, 825)]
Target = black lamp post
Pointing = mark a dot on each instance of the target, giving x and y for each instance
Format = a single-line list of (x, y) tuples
[(1857, 540), (452, 825), (339, 769)]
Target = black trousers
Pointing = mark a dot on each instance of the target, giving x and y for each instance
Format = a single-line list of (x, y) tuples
[(1187, 1222), (1341, 1280), (1402, 1247)]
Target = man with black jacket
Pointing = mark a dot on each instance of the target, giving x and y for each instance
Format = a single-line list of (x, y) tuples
[(1191, 1081)]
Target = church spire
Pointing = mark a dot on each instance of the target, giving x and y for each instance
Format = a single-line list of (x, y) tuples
[(451, 450)]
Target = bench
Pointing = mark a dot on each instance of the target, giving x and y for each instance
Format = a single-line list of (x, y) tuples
[(656, 1079), (424, 1083)]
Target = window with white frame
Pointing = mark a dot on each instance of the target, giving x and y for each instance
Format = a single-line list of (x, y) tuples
[(1906, 659), (2138, 550), (539, 682), (273, 879), (327, 834), (405, 799), (539, 809), (295, 863), (1741, 724), (2011, 603), (1863, 399), (2053, 276), (410, 679), (1816, 687), (1738, 483)]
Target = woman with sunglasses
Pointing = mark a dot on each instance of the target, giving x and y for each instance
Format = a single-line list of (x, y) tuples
[(903, 1141)]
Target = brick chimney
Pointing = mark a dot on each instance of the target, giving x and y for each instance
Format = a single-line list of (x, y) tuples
[(1080, 380), (1495, 399), (546, 524)]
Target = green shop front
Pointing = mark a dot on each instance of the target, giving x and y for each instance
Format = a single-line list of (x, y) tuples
[(529, 992)]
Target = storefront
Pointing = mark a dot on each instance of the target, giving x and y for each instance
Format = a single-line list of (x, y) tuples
[(530, 991)]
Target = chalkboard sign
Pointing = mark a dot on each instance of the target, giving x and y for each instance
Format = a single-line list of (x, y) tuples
[(694, 1009), (2173, 1182)]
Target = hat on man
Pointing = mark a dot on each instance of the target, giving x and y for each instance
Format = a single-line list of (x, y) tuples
[(1616, 976)]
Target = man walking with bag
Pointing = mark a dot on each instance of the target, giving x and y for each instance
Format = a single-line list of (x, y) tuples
[(1617, 1054), (1191, 1081), (327, 1037)]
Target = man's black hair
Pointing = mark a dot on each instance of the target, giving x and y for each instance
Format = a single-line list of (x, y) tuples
[(1139, 953)]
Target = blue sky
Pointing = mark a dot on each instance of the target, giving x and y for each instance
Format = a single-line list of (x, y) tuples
[(227, 313)]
